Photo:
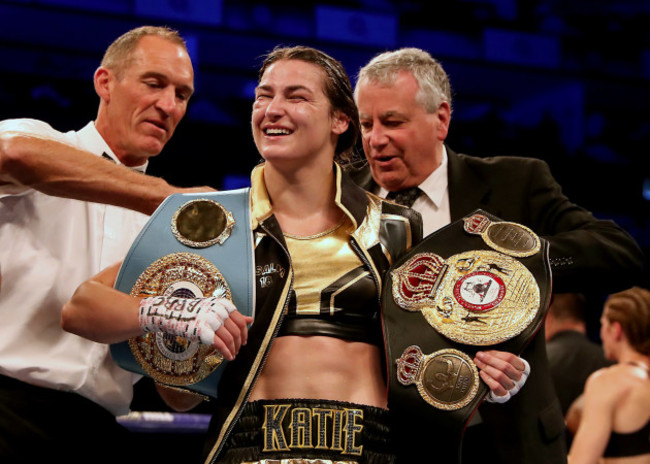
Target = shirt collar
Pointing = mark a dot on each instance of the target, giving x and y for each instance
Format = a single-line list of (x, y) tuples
[(433, 186), (98, 145), (436, 184)]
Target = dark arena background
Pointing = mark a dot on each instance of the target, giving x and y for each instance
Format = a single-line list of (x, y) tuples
[(564, 81)]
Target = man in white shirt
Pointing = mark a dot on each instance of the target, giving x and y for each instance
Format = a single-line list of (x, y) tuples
[(405, 107), (70, 205)]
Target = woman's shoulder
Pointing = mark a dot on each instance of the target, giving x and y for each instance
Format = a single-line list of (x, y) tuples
[(613, 380)]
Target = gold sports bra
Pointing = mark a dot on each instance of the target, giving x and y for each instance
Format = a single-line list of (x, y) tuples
[(333, 293)]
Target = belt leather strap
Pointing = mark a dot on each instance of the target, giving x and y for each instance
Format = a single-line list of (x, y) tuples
[(194, 245), (434, 388)]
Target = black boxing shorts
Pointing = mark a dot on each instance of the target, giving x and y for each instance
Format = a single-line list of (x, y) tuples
[(306, 431)]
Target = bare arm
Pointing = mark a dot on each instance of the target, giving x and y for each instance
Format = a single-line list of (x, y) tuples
[(103, 314), (113, 318), (574, 414), (600, 398), (59, 169)]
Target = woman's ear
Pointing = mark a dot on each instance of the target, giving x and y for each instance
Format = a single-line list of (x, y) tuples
[(340, 122), (617, 330)]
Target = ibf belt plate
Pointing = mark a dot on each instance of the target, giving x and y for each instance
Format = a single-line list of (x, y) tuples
[(477, 297), (170, 359), (447, 379)]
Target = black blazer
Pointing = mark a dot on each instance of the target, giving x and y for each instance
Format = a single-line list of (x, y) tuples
[(585, 253)]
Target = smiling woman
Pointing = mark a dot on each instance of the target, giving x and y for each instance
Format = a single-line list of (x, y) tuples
[(310, 219), (292, 118)]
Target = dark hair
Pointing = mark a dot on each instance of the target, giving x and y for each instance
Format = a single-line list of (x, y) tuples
[(568, 306), (337, 88), (631, 309)]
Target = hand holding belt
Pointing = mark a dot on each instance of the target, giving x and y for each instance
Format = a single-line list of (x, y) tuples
[(192, 265), (518, 384), (479, 282), (193, 319)]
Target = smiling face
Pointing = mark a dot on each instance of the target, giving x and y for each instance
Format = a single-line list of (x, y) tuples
[(292, 117), (402, 141), (142, 104)]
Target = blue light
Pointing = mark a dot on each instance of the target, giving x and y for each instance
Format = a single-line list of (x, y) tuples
[(646, 189), (235, 181)]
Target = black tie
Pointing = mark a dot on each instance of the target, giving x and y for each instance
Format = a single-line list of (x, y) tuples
[(405, 197)]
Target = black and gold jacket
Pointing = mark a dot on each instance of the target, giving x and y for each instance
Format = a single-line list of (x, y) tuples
[(382, 232)]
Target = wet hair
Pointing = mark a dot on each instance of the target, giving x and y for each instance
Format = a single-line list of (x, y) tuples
[(119, 54), (433, 82), (631, 309), (337, 88)]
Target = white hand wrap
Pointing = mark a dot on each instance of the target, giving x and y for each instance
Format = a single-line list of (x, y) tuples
[(492, 398), (191, 318)]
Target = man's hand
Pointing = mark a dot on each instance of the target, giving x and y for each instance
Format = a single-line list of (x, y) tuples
[(505, 373)]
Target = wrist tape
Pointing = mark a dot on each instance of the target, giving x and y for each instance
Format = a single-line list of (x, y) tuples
[(191, 318)]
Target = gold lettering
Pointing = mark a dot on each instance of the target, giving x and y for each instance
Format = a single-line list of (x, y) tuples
[(300, 428), (352, 429), (321, 416), (337, 426), (274, 439), (345, 426)]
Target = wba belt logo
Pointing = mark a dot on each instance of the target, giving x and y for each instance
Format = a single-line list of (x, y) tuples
[(289, 428)]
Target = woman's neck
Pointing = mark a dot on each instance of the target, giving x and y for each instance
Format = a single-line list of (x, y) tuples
[(303, 199), (631, 356)]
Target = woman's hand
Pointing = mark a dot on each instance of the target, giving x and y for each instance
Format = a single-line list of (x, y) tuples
[(212, 321), (101, 313)]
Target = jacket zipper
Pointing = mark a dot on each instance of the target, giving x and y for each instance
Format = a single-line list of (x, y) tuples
[(264, 358)]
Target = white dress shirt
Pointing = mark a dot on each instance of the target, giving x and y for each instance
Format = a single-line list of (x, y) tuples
[(48, 246), (433, 204)]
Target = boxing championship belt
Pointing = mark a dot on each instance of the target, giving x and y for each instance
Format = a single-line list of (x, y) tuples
[(193, 246), (478, 283)]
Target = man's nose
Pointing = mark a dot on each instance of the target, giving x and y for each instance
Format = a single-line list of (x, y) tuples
[(167, 101), (377, 136)]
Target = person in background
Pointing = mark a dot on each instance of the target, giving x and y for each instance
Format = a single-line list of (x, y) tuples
[(71, 204), (612, 421), (572, 356), (405, 104)]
